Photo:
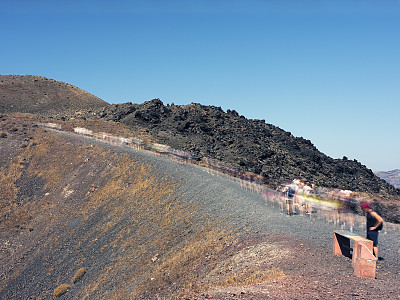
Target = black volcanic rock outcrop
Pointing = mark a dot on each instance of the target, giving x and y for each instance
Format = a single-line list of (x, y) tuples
[(251, 145), (40, 95)]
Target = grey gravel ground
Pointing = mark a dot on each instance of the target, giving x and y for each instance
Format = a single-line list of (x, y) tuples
[(312, 272)]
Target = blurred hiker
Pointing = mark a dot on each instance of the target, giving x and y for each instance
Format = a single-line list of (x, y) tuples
[(291, 194), (374, 224)]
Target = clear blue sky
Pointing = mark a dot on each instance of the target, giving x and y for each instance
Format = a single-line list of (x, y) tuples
[(325, 70)]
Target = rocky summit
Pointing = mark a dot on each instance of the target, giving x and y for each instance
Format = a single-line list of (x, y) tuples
[(246, 144)]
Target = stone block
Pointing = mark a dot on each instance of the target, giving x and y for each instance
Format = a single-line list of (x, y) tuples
[(365, 267)]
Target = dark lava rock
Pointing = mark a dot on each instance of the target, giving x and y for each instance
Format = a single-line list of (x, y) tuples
[(246, 144)]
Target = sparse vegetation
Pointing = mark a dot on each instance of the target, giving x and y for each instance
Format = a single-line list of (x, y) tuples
[(36, 94), (132, 217), (78, 275), (61, 290), (162, 226)]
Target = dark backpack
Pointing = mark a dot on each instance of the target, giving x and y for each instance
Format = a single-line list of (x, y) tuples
[(291, 192)]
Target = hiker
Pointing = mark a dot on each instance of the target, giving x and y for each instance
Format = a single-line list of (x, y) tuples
[(374, 224), (291, 197)]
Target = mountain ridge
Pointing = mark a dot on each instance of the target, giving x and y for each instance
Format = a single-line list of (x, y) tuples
[(206, 131), (392, 177)]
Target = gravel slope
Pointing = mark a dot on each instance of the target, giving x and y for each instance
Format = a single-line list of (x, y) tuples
[(299, 245), (312, 272)]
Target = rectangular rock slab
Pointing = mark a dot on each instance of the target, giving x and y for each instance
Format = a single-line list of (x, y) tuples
[(365, 268)]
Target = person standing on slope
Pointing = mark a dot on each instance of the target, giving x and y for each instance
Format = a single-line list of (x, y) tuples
[(374, 224)]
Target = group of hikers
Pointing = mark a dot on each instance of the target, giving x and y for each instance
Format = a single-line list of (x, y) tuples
[(292, 191), (297, 187)]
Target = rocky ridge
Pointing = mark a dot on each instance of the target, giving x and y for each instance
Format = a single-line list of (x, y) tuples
[(245, 144)]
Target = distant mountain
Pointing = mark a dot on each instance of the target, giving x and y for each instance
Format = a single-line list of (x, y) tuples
[(392, 177), (40, 95)]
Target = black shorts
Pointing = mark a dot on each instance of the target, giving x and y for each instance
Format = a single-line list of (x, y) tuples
[(373, 236)]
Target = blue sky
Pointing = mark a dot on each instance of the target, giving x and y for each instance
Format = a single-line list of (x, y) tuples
[(325, 70)]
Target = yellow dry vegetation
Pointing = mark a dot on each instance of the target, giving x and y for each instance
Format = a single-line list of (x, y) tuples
[(46, 156), (249, 266), (61, 289), (164, 239), (78, 275), (9, 174)]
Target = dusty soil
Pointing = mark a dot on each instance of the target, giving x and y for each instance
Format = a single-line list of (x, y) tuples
[(276, 256), (312, 272)]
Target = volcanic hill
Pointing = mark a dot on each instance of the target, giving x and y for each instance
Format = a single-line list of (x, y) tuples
[(206, 131), (82, 219), (40, 95)]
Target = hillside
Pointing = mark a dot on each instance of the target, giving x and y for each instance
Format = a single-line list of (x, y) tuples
[(68, 204), (250, 145), (392, 177), (40, 95), (111, 222)]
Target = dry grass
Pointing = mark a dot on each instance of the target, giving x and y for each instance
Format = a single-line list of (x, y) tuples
[(141, 217), (61, 290), (10, 172), (55, 166), (45, 156), (164, 240), (78, 275), (250, 266)]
